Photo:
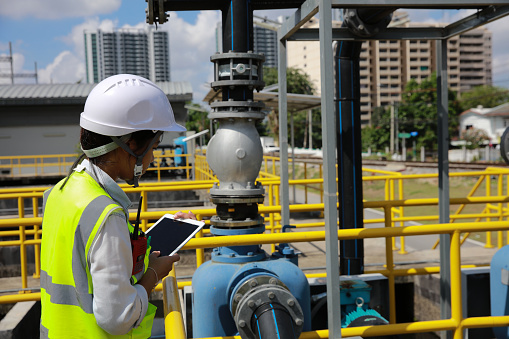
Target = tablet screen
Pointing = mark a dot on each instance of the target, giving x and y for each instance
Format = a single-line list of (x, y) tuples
[(169, 235)]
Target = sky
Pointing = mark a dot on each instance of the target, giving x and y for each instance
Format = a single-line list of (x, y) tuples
[(50, 33)]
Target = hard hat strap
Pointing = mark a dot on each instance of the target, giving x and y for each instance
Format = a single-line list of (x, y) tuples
[(101, 150), (138, 167)]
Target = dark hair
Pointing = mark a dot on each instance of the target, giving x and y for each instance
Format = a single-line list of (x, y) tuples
[(90, 140)]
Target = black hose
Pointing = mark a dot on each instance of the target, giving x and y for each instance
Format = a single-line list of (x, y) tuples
[(272, 320)]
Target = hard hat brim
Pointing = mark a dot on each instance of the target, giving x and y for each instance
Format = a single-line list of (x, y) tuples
[(115, 131)]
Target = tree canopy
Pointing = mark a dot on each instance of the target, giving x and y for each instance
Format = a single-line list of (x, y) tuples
[(197, 119), (297, 82), (486, 96), (417, 112)]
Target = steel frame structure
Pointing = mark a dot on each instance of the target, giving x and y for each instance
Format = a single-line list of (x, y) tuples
[(290, 30)]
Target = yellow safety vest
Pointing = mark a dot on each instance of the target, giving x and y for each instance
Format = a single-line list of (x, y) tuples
[(71, 221)]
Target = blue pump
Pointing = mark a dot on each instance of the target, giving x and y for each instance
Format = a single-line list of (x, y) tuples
[(240, 281)]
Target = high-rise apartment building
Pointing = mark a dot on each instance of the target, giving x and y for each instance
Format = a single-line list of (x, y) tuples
[(264, 41), (386, 66), (144, 52)]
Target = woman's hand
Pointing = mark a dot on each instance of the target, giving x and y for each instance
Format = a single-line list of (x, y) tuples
[(182, 215), (162, 265), (159, 267)]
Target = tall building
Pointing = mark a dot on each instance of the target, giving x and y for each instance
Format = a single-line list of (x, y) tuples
[(264, 41), (144, 52), (386, 66)]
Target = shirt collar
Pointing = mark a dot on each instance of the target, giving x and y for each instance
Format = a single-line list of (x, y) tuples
[(106, 182)]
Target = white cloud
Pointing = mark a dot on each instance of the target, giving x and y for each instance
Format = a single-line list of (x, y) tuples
[(57, 9), (75, 38), (66, 68), (191, 45)]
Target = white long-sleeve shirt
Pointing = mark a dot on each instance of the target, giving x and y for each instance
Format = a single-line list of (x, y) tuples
[(118, 306)]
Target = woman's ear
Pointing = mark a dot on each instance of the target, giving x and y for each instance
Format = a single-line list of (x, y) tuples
[(131, 143)]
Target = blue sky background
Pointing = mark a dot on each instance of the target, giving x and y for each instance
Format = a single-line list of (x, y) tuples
[(50, 32)]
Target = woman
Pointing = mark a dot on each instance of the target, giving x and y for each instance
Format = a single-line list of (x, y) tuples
[(89, 288)]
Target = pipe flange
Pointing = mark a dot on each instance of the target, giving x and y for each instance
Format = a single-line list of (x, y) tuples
[(232, 55), (248, 104), (219, 231), (240, 115), (251, 284), (272, 292), (229, 191), (237, 109), (237, 200), (256, 84), (230, 223)]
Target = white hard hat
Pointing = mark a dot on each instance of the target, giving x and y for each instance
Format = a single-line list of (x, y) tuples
[(126, 103)]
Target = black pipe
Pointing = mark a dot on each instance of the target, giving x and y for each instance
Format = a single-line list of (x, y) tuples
[(349, 153), (348, 133), (272, 320), (237, 21)]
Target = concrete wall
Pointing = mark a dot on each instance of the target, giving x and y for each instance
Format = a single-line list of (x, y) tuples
[(39, 140), (52, 129)]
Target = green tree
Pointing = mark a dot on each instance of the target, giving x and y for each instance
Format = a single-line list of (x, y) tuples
[(297, 82), (486, 96), (418, 112), (377, 135), (197, 119)]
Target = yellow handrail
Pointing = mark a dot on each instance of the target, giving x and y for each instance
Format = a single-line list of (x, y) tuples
[(173, 319)]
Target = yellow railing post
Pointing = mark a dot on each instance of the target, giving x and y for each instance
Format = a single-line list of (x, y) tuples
[(272, 223), (173, 320), (200, 252), (37, 247), (500, 191), (455, 269), (393, 211), (320, 169), (22, 246), (507, 205), (305, 185), (488, 193), (390, 266), (401, 215)]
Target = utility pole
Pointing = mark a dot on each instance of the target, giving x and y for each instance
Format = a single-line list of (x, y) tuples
[(13, 75)]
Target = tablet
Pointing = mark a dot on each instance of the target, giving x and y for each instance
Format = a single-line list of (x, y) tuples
[(168, 235)]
